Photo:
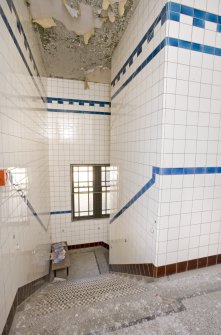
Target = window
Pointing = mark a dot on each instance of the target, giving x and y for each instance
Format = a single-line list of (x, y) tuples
[(90, 191)]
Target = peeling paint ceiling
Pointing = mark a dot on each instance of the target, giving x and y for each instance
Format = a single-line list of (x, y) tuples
[(77, 37)]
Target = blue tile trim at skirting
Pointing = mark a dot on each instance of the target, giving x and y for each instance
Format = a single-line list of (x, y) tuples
[(60, 212), (170, 41), (77, 111), (165, 172), (79, 101), (171, 11), (5, 20)]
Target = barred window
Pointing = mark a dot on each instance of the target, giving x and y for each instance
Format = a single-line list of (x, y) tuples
[(90, 191)]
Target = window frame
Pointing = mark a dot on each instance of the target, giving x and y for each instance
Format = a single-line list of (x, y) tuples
[(97, 182)]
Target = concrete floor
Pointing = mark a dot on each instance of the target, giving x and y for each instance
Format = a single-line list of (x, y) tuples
[(86, 263), (107, 303)]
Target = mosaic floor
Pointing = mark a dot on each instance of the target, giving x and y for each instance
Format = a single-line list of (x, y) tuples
[(108, 303)]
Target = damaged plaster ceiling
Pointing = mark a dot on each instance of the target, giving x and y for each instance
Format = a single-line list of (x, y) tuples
[(78, 37)]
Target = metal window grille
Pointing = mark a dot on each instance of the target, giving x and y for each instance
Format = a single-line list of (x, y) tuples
[(90, 191)]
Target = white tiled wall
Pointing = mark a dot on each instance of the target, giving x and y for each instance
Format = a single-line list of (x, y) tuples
[(168, 116), (24, 243), (76, 139), (189, 222), (136, 132)]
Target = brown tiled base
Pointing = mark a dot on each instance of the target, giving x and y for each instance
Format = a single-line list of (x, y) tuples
[(136, 269), (88, 245), (22, 293), (165, 270)]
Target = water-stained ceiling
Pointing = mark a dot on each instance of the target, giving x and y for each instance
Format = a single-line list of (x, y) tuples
[(78, 37)]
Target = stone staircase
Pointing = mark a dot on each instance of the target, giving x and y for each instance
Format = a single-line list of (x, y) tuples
[(98, 305), (121, 304)]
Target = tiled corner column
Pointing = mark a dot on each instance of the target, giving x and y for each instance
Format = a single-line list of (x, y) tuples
[(188, 223), (178, 218), (136, 127)]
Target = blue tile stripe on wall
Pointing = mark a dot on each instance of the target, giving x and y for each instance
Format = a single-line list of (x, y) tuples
[(171, 11), (21, 31), (78, 101), (25, 199), (165, 172), (5, 20), (170, 41), (135, 198), (51, 110), (137, 51), (60, 212), (161, 172)]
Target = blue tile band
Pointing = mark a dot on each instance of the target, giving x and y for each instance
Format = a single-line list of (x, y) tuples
[(165, 172), (21, 32), (146, 38), (60, 212), (171, 11), (161, 172), (20, 51), (79, 101), (26, 201), (198, 23), (170, 41), (185, 171), (135, 198), (77, 111), (26, 44)]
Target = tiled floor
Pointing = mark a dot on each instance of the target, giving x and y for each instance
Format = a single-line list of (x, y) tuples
[(107, 303)]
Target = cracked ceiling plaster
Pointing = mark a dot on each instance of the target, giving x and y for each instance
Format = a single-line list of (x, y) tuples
[(66, 53)]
